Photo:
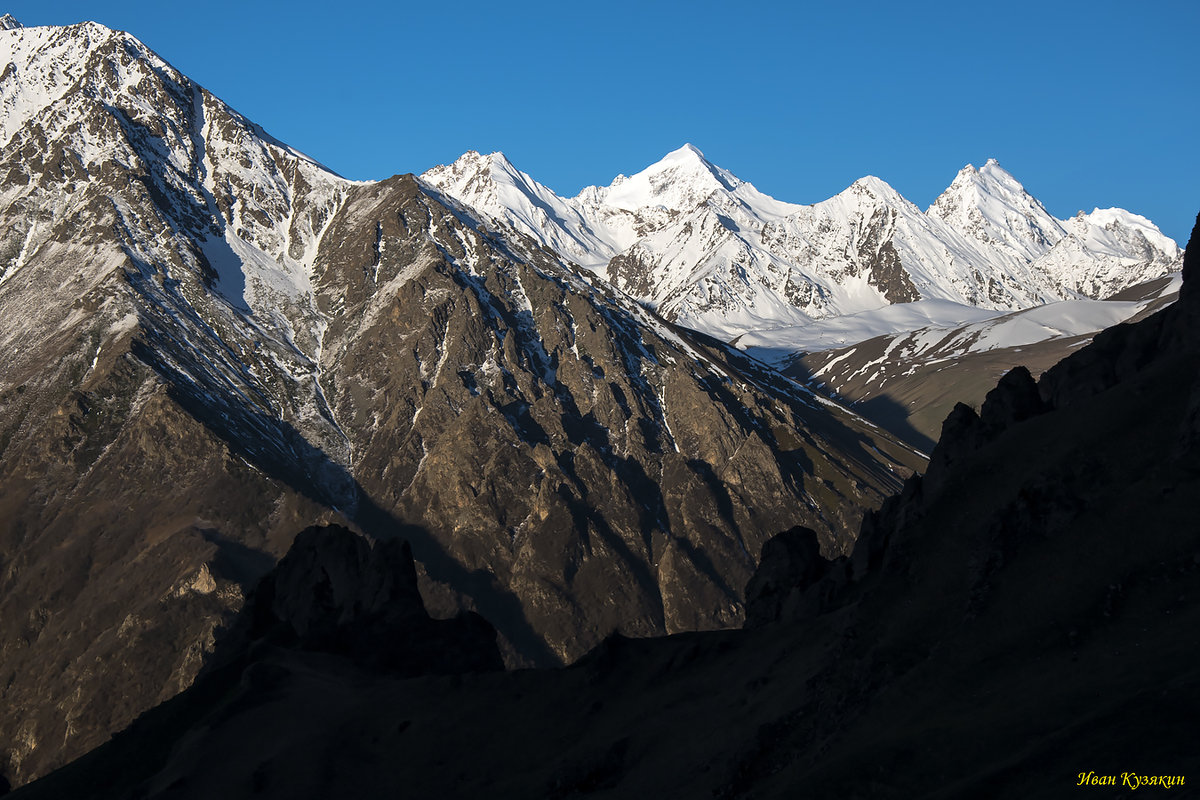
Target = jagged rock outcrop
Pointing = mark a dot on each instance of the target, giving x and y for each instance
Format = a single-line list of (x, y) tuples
[(962, 434), (332, 580), (782, 586), (1191, 264), (335, 592), (1014, 400)]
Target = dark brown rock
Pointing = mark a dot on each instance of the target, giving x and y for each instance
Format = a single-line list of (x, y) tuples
[(1191, 265), (1014, 400), (337, 593), (962, 434), (790, 567)]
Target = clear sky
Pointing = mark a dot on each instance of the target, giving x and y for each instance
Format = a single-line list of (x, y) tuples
[(1086, 103)]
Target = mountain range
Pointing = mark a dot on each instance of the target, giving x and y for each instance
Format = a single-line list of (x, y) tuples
[(708, 250), (213, 342)]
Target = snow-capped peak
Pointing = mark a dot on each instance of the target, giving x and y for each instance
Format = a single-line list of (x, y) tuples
[(473, 177), (994, 180), (9, 23), (687, 154), (1114, 218), (680, 181), (493, 160), (877, 188), (1120, 233), (990, 206), (44, 64), (990, 180), (489, 183), (492, 185)]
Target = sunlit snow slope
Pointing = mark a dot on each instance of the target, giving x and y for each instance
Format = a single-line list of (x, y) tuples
[(710, 251)]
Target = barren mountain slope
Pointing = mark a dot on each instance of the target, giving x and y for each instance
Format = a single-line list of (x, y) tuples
[(213, 339)]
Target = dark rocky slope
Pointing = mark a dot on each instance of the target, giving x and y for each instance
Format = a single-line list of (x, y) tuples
[(1022, 615)]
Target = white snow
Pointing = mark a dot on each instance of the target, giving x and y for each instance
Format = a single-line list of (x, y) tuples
[(710, 251), (835, 332), (934, 329)]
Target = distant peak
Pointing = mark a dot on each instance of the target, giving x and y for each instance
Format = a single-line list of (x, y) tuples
[(680, 180), (473, 158), (988, 166), (991, 177), (688, 160), (873, 185), (688, 154), (9, 23), (498, 157), (992, 167)]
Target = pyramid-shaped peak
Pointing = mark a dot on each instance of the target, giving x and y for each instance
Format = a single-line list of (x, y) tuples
[(497, 158), (471, 162), (874, 186), (473, 159), (687, 158), (990, 179), (993, 169), (989, 205), (689, 153), (9, 23), (679, 181)]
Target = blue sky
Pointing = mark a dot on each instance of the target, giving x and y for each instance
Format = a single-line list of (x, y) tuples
[(1088, 104)]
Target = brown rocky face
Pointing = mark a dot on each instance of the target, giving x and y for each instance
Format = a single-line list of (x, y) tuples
[(215, 343), (556, 445)]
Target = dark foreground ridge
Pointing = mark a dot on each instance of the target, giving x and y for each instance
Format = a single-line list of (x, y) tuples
[(1019, 620)]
